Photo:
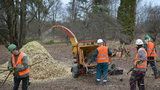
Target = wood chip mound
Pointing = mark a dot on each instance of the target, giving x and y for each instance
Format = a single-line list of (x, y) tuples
[(43, 66)]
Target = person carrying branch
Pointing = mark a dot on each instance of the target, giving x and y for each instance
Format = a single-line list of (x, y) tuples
[(140, 66), (19, 66), (151, 54)]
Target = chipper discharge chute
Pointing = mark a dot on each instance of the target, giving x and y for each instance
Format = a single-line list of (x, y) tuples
[(82, 52)]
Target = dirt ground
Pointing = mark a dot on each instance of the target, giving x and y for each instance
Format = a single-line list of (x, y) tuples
[(63, 53)]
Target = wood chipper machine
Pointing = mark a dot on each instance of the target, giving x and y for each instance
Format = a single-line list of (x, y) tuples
[(82, 52)]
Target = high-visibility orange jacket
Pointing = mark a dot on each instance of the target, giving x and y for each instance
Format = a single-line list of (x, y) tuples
[(144, 62), (102, 56), (19, 62), (151, 49)]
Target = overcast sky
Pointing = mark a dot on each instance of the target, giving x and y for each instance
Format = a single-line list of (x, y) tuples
[(65, 1), (155, 2)]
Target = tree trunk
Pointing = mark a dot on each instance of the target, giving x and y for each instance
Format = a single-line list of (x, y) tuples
[(74, 10), (22, 32)]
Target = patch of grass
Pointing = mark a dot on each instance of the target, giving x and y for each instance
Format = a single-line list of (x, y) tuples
[(31, 39), (50, 42), (54, 42)]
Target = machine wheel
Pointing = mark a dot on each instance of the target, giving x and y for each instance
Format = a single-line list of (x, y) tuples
[(74, 71)]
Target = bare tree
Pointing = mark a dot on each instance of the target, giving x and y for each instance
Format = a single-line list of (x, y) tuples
[(41, 11), (153, 21), (11, 19), (56, 11), (148, 21), (16, 14)]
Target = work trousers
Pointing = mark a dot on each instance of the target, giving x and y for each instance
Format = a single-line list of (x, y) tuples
[(137, 77), (102, 70), (153, 65), (25, 83)]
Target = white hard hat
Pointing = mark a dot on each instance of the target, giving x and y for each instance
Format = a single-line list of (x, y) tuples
[(139, 42), (99, 41)]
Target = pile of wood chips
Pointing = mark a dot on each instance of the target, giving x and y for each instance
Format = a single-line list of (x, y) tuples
[(43, 66)]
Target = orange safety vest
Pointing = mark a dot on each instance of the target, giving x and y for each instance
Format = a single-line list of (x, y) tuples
[(143, 64), (102, 56), (19, 62), (151, 49)]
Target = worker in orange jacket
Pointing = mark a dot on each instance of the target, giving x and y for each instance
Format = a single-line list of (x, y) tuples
[(140, 66), (151, 54), (19, 66), (101, 56)]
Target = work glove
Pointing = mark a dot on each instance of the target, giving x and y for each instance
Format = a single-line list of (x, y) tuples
[(15, 72), (10, 69), (139, 62)]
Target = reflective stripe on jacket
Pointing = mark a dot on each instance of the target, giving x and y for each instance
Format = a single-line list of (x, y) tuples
[(151, 49), (17, 62), (102, 54), (143, 64)]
